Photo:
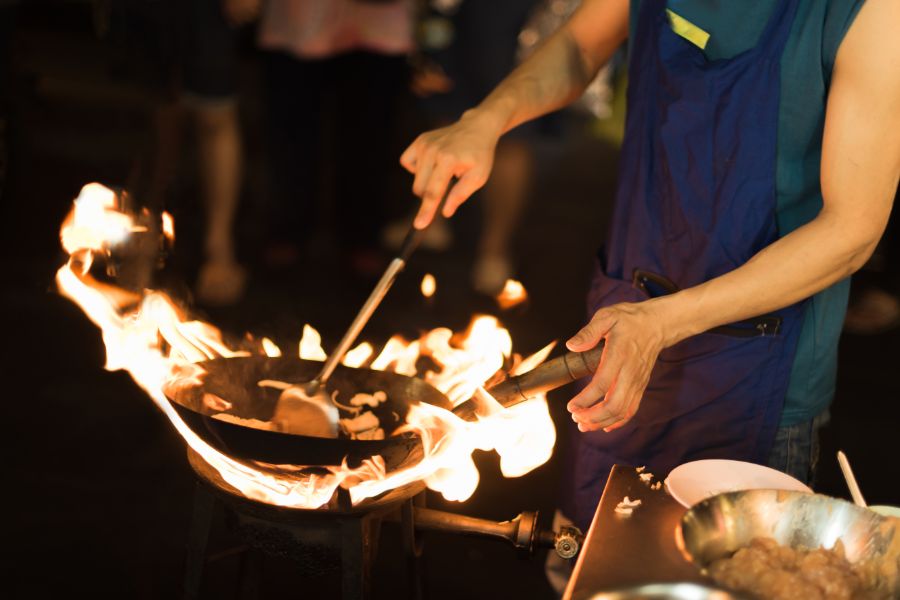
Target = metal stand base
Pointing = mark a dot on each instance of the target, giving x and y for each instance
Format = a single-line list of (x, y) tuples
[(348, 539)]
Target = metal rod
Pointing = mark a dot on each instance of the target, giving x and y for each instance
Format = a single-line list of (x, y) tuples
[(410, 243), (522, 531), (365, 313), (519, 531)]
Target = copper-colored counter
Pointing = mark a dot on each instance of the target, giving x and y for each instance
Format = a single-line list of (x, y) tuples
[(621, 551)]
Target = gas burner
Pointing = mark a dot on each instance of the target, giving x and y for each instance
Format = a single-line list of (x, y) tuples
[(347, 535)]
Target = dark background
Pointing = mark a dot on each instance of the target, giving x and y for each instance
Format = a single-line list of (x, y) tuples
[(100, 491)]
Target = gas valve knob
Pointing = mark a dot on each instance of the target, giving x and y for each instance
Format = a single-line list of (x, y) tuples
[(568, 542)]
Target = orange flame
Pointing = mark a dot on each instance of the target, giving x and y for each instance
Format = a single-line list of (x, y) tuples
[(513, 293), (168, 227), (359, 355), (429, 285), (311, 345), (270, 348), (151, 338)]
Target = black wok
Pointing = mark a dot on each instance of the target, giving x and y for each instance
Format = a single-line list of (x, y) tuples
[(234, 380)]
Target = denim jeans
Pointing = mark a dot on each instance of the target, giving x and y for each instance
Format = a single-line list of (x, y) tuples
[(796, 448)]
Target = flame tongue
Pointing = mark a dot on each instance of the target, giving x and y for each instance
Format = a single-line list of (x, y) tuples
[(151, 338)]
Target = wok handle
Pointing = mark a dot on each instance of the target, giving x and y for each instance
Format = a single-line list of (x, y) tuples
[(548, 376), (543, 378)]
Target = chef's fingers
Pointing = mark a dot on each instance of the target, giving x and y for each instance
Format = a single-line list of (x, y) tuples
[(613, 408), (634, 394), (467, 185), (589, 335), (629, 413), (409, 158), (600, 382), (434, 191), (424, 166)]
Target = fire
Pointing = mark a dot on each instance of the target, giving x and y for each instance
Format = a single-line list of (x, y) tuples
[(153, 339), (311, 345), (270, 348), (513, 293), (359, 355), (168, 226), (429, 285)]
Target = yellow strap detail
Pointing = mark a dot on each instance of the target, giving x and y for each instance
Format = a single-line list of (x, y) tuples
[(688, 30)]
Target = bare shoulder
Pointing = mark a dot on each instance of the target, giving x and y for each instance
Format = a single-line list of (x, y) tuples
[(871, 47), (861, 144), (597, 22)]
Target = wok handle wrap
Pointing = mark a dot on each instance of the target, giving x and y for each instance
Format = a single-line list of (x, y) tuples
[(548, 376), (543, 378)]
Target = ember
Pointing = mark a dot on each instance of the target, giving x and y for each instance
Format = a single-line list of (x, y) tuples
[(153, 339), (513, 293), (429, 285)]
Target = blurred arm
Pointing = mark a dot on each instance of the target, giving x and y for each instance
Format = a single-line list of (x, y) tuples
[(555, 75), (560, 70)]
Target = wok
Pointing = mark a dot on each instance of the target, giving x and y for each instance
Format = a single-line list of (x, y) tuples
[(234, 380)]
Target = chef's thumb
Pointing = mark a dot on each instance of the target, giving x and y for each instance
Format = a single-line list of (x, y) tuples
[(589, 335)]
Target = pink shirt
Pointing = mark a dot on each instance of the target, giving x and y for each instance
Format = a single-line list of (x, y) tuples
[(323, 28)]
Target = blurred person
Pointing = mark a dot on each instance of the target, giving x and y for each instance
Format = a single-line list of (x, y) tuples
[(210, 96), (334, 70), (198, 52), (759, 165)]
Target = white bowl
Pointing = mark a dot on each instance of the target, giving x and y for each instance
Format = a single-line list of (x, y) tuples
[(695, 481)]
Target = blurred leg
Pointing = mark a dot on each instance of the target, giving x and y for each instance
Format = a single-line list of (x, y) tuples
[(219, 147), (503, 200), (210, 92), (221, 279)]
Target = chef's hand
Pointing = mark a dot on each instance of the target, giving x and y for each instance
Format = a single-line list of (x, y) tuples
[(634, 338), (464, 150)]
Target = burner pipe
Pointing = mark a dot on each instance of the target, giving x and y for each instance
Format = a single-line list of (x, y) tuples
[(522, 531)]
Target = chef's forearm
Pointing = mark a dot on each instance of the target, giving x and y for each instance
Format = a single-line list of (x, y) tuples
[(795, 267), (859, 173), (560, 70)]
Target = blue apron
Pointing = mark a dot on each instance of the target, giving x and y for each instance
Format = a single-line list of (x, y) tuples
[(696, 199)]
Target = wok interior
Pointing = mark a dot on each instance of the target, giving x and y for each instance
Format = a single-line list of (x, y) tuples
[(718, 526), (235, 380)]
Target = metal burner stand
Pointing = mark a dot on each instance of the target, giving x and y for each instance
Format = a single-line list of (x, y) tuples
[(340, 533), (335, 534)]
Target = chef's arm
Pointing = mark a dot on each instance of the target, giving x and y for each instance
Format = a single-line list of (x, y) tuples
[(860, 169), (555, 75)]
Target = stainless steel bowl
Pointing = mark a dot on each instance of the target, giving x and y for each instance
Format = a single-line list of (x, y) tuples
[(667, 591), (720, 525)]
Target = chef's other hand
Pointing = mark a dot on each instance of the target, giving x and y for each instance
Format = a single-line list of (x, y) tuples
[(634, 338), (464, 150)]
